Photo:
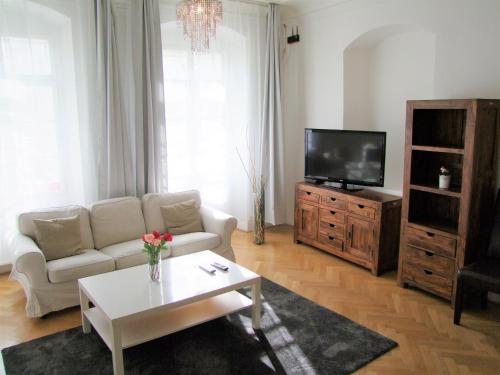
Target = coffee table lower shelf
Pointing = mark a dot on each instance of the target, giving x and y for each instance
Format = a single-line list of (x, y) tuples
[(139, 331)]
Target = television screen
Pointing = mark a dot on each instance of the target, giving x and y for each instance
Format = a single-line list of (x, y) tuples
[(349, 157)]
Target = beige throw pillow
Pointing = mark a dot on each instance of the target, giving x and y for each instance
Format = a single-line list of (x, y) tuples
[(58, 238), (183, 217)]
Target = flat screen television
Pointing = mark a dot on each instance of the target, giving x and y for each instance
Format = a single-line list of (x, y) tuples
[(345, 156)]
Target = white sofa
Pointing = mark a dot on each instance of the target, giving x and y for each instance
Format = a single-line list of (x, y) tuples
[(111, 233)]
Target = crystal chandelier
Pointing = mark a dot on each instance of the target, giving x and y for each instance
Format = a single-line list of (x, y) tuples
[(199, 19)]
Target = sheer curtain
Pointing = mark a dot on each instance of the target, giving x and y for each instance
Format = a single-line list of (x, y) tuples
[(213, 106), (47, 157)]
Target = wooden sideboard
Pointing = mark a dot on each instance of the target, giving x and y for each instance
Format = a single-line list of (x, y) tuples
[(362, 227)]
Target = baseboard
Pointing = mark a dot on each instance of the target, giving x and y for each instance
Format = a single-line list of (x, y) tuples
[(5, 268), (245, 225)]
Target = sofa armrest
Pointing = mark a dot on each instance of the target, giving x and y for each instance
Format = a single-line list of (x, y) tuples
[(218, 222), (29, 260)]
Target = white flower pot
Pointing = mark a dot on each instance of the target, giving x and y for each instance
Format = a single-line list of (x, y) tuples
[(444, 182)]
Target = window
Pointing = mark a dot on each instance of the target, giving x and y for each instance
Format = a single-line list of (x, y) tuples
[(41, 135)]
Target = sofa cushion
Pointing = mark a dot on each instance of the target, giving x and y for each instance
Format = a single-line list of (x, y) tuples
[(116, 220), (88, 262), (182, 218), (129, 254), (188, 243), (151, 204), (58, 238), (27, 227)]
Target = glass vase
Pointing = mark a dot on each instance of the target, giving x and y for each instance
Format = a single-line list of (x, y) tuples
[(154, 267), (259, 231)]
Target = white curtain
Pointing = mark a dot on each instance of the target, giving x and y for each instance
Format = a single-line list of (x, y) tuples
[(213, 106), (116, 170), (47, 154), (150, 136), (132, 148), (272, 158)]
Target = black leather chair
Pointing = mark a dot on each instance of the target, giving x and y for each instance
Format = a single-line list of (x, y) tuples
[(483, 276)]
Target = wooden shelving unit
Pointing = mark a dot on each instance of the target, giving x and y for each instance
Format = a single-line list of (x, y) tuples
[(442, 230), (445, 227), (448, 150), (452, 192)]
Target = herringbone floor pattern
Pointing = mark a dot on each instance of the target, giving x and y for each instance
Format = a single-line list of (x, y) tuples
[(421, 324)]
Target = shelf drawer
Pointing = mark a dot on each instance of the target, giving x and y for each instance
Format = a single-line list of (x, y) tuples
[(427, 279), (332, 229), (430, 261), (361, 210), (332, 241), (333, 200), (331, 216), (307, 195), (431, 241)]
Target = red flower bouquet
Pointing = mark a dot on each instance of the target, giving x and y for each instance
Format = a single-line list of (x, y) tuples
[(154, 243)]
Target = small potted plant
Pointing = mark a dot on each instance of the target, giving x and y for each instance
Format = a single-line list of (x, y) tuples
[(444, 178), (154, 243)]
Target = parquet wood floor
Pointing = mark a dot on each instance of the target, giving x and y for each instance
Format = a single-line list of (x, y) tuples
[(429, 343)]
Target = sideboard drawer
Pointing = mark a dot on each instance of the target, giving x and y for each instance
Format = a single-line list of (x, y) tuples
[(332, 229), (309, 196), (361, 210), (431, 241), (331, 216), (332, 241), (430, 261), (428, 279), (333, 200)]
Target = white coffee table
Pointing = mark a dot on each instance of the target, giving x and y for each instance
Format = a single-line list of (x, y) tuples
[(129, 309)]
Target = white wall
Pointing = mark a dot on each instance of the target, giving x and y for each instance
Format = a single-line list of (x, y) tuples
[(466, 63), (380, 74)]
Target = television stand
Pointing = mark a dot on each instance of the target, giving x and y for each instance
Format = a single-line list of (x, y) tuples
[(362, 227)]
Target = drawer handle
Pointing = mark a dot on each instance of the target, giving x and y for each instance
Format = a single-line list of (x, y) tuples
[(308, 192), (333, 212), (429, 254), (428, 272), (331, 238), (332, 225), (333, 199), (361, 206), (430, 234)]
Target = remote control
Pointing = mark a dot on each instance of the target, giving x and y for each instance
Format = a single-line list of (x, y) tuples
[(220, 266), (208, 269)]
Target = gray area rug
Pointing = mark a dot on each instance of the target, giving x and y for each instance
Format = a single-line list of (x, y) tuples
[(297, 337)]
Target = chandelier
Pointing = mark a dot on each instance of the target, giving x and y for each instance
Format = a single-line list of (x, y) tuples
[(199, 19)]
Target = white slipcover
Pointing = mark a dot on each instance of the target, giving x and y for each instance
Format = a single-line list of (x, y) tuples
[(188, 243), (116, 220), (51, 286), (151, 204), (129, 254), (27, 227), (88, 262)]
